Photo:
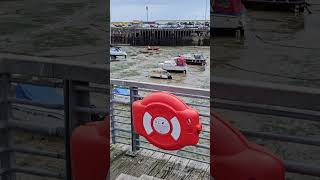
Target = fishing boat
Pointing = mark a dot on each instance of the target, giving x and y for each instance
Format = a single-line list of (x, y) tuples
[(176, 65), (160, 73), (226, 16), (197, 59), (117, 52)]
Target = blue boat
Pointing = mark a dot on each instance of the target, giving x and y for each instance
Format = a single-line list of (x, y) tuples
[(121, 95), (39, 94)]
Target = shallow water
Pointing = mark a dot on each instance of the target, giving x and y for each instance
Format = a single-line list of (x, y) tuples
[(138, 65)]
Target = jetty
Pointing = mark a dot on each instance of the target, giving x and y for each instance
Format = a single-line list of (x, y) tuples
[(161, 36)]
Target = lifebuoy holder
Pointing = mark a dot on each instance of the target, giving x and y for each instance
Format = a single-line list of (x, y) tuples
[(166, 121)]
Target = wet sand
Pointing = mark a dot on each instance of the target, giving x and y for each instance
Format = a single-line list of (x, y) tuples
[(138, 65)]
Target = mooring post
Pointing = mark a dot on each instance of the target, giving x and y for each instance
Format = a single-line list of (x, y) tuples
[(73, 118), (135, 143), (7, 157)]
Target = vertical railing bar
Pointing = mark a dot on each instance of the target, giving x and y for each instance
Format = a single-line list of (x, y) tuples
[(134, 136), (113, 138), (67, 115), (7, 158)]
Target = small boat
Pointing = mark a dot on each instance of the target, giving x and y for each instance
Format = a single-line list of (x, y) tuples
[(194, 59), (153, 48), (117, 51), (176, 65), (150, 50), (160, 73)]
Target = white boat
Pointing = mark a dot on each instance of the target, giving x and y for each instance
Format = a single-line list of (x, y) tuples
[(160, 73), (195, 59), (177, 64), (116, 52)]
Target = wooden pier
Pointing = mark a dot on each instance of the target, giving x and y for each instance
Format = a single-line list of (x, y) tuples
[(154, 164), (156, 36)]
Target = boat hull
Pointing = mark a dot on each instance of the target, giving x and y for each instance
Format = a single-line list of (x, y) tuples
[(175, 69), (160, 76), (196, 62)]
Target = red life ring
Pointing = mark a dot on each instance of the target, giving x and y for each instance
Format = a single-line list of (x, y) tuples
[(166, 121)]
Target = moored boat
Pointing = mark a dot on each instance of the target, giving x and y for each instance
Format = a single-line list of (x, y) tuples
[(160, 73), (153, 48), (176, 65), (197, 59), (117, 52)]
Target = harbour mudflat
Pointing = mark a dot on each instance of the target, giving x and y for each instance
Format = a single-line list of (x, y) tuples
[(138, 65)]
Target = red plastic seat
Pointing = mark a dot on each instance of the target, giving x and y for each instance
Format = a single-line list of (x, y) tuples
[(90, 151), (234, 158)]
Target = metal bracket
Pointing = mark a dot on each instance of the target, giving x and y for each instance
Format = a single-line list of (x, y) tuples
[(131, 153)]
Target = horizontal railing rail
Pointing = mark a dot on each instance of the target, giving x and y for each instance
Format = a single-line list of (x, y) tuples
[(296, 103)]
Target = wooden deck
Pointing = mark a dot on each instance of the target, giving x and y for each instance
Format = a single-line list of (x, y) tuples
[(155, 164)]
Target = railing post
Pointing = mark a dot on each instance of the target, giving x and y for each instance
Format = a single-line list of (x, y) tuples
[(7, 158), (134, 136), (73, 119), (113, 138)]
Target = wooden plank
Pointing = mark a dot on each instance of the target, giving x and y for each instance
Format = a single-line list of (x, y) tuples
[(168, 167), (139, 163), (145, 167), (196, 169), (117, 150), (207, 174), (122, 164), (156, 164), (178, 170), (159, 164), (145, 177), (126, 177)]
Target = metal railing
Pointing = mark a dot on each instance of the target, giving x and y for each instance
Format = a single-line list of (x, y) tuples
[(76, 80), (121, 118), (297, 103)]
